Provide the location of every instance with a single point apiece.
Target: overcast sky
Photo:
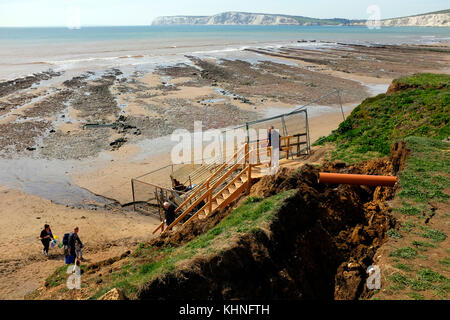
(142, 12)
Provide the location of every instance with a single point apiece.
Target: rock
(31, 148)
(339, 164)
(116, 144)
(113, 294)
(353, 266)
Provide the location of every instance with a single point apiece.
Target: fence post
(308, 141)
(246, 155)
(340, 102)
(288, 144)
(249, 177)
(132, 191)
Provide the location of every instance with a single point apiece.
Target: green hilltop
(418, 105)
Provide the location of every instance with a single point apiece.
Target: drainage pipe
(357, 179)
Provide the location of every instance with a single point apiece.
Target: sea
(24, 51)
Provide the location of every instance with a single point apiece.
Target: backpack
(66, 239)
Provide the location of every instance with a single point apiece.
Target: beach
(73, 137)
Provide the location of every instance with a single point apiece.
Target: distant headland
(431, 19)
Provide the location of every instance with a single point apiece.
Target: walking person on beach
(46, 237)
(75, 245)
(169, 211)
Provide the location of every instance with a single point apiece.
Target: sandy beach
(90, 133)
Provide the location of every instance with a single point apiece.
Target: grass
(421, 109)
(424, 178)
(425, 279)
(411, 210)
(248, 218)
(403, 267)
(432, 234)
(422, 245)
(404, 253)
(445, 262)
(394, 234)
(416, 296)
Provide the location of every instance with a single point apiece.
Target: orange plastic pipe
(358, 179)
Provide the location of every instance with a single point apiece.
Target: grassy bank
(417, 106)
(420, 258)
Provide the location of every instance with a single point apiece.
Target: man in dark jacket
(46, 237)
(74, 244)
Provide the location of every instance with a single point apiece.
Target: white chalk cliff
(433, 19)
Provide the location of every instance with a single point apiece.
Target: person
(46, 237)
(273, 135)
(169, 211)
(75, 245)
(269, 136)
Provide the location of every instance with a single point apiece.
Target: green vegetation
(424, 177)
(445, 262)
(247, 218)
(425, 279)
(410, 210)
(422, 109)
(422, 245)
(416, 296)
(394, 234)
(315, 21)
(405, 253)
(403, 267)
(433, 235)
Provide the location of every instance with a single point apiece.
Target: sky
(28, 13)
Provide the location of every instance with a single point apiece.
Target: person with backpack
(46, 237)
(67, 257)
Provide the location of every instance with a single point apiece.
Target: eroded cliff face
(229, 18)
(428, 20)
(434, 19)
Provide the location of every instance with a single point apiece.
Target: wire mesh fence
(151, 189)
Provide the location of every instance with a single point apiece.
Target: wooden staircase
(228, 182)
(223, 187)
